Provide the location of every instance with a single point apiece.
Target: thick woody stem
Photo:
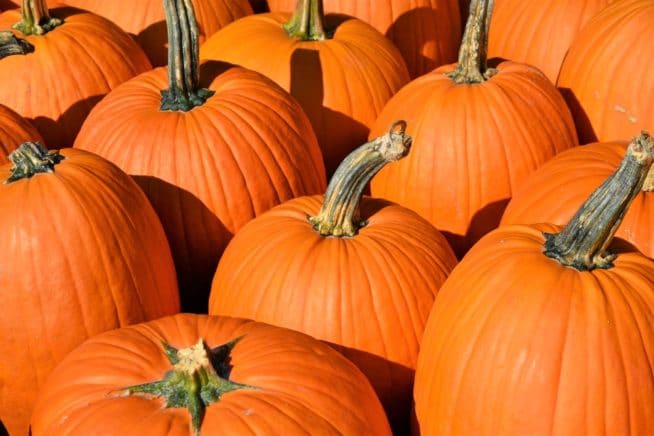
(472, 67)
(583, 243)
(35, 18)
(184, 91)
(32, 158)
(307, 22)
(339, 214)
(10, 45)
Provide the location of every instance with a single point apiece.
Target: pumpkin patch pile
(281, 217)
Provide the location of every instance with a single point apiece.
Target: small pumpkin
(213, 375)
(359, 273)
(542, 330)
(14, 130)
(81, 252)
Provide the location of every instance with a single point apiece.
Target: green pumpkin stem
(199, 378)
(32, 158)
(472, 67)
(184, 91)
(307, 22)
(35, 18)
(10, 45)
(339, 214)
(583, 243)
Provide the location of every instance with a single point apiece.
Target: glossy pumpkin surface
(14, 130)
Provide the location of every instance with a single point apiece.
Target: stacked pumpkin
(201, 187)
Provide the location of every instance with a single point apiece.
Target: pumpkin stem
(35, 18)
(10, 45)
(648, 186)
(582, 244)
(339, 215)
(184, 91)
(199, 378)
(32, 158)
(307, 22)
(472, 67)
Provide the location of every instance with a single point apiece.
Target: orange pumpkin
(257, 379)
(605, 77)
(362, 280)
(14, 130)
(427, 32)
(74, 58)
(210, 159)
(341, 70)
(81, 252)
(478, 131)
(546, 333)
(146, 21)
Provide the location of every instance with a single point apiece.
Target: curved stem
(582, 244)
(339, 215)
(307, 21)
(184, 91)
(10, 45)
(32, 158)
(199, 378)
(35, 18)
(472, 67)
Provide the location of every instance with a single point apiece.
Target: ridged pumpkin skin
(427, 32)
(301, 385)
(369, 294)
(14, 130)
(473, 146)
(71, 68)
(518, 344)
(342, 83)
(145, 19)
(208, 171)
(81, 252)
(607, 86)
(546, 30)
(554, 192)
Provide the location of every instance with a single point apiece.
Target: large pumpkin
(73, 59)
(81, 252)
(546, 333)
(478, 133)
(145, 19)
(227, 376)
(606, 75)
(553, 193)
(14, 130)
(210, 159)
(363, 281)
(340, 69)
(427, 32)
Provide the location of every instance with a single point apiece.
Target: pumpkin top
(307, 21)
(35, 18)
(32, 158)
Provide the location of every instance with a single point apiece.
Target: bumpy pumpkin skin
(607, 86)
(82, 252)
(14, 130)
(362, 294)
(518, 344)
(302, 386)
(210, 170)
(473, 146)
(145, 19)
(72, 67)
(554, 192)
(546, 30)
(427, 32)
(342, 83)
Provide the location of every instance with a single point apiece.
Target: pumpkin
(546, 30)
(544, 330)
(479, 132)
(209, 158)
(81, 252)
(427, 32)
(70, 60)
(360, 273)
(606, 85)
(554, 191)
(254, 379)
(341, 70)
(14, 130)
(145, 19)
